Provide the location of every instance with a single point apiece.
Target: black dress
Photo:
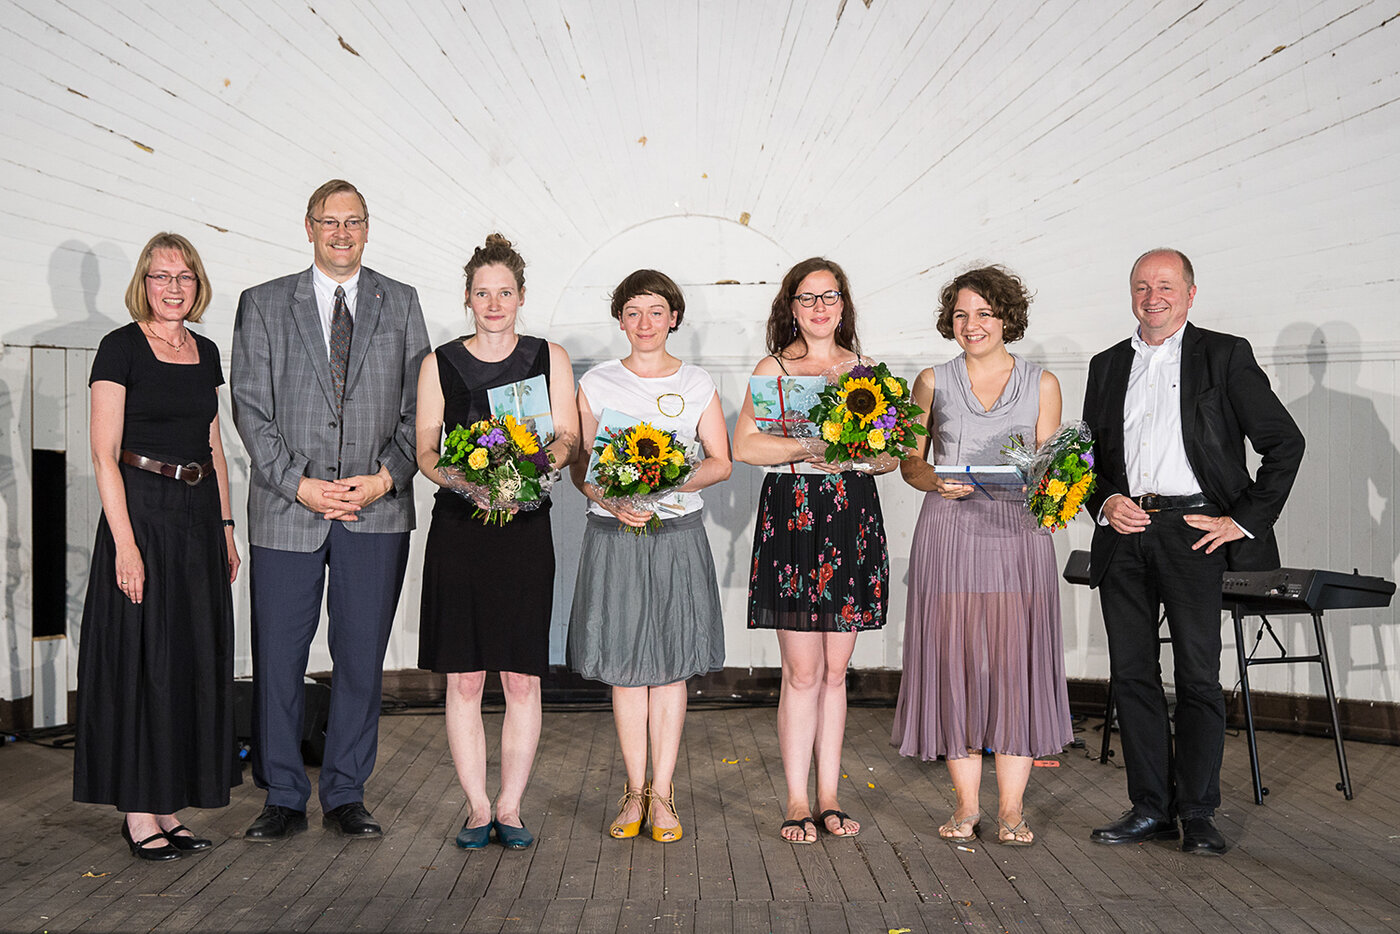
(155, 679)
(487, 590)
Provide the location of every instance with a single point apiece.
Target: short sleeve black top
(169, 406)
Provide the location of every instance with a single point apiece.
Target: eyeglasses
(162, 279)
(329, 224)
(808, 299)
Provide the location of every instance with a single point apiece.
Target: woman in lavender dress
(983, 654)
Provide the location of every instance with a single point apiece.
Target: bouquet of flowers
(639, 466)
(1059, 475)
(864, 413)
(497, 461)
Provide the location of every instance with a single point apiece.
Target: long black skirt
(488, 591)
(155, 679)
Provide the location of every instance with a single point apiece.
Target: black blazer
(1225, 398)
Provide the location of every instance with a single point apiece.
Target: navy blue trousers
(366, 575)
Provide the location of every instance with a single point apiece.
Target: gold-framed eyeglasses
(808, 299)
(331, 224)
(163, 279)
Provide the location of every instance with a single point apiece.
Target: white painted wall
(721, 141)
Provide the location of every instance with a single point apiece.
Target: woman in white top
(820, 571)
(646, 613)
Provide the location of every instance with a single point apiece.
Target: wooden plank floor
(1307, 861)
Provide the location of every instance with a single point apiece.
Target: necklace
(178, 347)
(670, 404)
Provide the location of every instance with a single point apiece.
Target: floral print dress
(819, 558)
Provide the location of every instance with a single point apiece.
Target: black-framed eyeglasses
(331, 224)
(163, 279)
(808, 299)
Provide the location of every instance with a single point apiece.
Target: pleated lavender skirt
(983, 650)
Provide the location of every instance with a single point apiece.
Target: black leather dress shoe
(1133, 827)
(276, 823)
(1199, 835)
(352, 820)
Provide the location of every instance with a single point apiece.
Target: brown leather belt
(1152, 502)
(191, 473)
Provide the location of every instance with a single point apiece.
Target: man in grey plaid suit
(324, 385)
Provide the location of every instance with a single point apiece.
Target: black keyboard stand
(1239, 612)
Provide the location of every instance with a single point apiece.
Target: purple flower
(1088, 458)
(861, 370)
(493, 438)
(540, 459)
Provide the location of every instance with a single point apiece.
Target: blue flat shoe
(474, 838)
(513, 838)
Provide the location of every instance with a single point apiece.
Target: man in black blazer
(1170, 409)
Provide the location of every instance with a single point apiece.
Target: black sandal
(842, 816)
(800, 822)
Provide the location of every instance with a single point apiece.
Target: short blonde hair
(136, 302)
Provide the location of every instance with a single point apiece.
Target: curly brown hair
(782, 326)
(1000, 288)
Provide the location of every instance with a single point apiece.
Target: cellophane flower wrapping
(1059, 474)
(864, 412)
(497, 461)
(640, 467)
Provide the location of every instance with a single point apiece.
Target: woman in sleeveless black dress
(488, 588)
(155, 667)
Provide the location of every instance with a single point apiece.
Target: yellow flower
(1056, 488)
(608, 455)
(1067, 513)
(646, 445)
(1048, 521)
(521, 436)
(831, 431)
(876, 439)
(864, 399)
(893, 388)
(478, 459)
(677, 456)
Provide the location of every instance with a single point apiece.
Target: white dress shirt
(324, 287)
(1153, 445)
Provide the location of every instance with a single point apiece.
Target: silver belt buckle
(190, 473)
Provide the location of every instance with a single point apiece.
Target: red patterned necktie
(341, 328)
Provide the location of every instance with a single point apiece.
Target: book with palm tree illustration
(527, 401)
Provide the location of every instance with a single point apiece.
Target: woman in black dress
(488, 589)
(155, 667)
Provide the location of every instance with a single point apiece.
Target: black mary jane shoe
(156, 854)
(187, 844)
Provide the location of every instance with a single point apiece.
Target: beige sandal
(954, 825)
(1006, 834)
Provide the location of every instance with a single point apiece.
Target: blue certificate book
(527, 402)
(781, 404)
(1002, 482)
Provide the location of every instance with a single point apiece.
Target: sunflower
(520, 436)
(646, 445)
(863, 398)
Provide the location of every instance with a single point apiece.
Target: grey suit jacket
(280, 382)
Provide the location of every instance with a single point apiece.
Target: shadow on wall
(1347, 483)
(75, 284)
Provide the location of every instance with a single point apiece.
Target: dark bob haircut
(1000, 288)
(782, 326)
(649, 282)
